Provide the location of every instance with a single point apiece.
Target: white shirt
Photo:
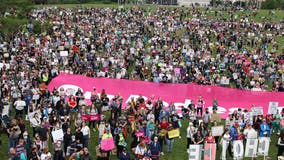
(20, 105)
(43, 156)
(85, 130)
(250, 133)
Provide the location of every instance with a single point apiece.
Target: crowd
(163, 45)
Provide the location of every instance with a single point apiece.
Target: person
(86, 134)
(226, 139)
(190, 131)
(249, 132)
(234, 132)
(155, 149)
(198, 138)
(264, 129)
(280, 144)
(45, 155)
(58, 151)
(140, 151)
(200, 105)
(169, 141)
(77, 155)
(124, 155)
(206, 117)
(210, 138)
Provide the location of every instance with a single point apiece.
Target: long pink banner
(228, 99)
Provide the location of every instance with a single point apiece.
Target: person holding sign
(210, 138)
(170, 141)
(264, 129)
(198, 138)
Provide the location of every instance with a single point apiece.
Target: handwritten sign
(63, 53)
(173, 133)
(257, 111)
(107, 144)
(57, 135)
(272, 109)
(195, 152)
(217, 131)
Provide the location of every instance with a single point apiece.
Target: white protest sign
(251, 148)
(63, 53)
(238, 149)
(195, 152)
(263, 146)
(273, 106)
(35, 96)
(257, 111)
(57, 135)
(217, 131)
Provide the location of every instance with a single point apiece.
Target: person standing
(200, 105)
(190, 131)
(86, 134)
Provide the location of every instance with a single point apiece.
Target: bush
(272, 4)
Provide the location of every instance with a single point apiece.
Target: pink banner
(94, 117)
(210, 151)
(107, 144)
(228, 99)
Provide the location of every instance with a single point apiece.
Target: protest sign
(57, 135)
(272, 108)
(238, 149)
(251, 148)
(210, 151)
(85, 117)
(173, 133)
(195, 152)
(263, 146)
(257, 111)
(60, 48)
(139, 133)
(94, 117)
(63, 53)
(217, 131)
(107, 144)
(177, 70)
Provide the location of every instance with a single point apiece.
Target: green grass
(179, 149)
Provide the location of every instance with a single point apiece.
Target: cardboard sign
(63, 53)
(217, 131)
(257, 111)
(57, 135)
(272, 108)
(173, 133)
(251, 148)
(60, 48)
(238, 149)
(107, 144)
(263, 146)
(195, 152)
(210, 151)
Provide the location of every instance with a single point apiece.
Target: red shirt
(210, 139)
(164, 125)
